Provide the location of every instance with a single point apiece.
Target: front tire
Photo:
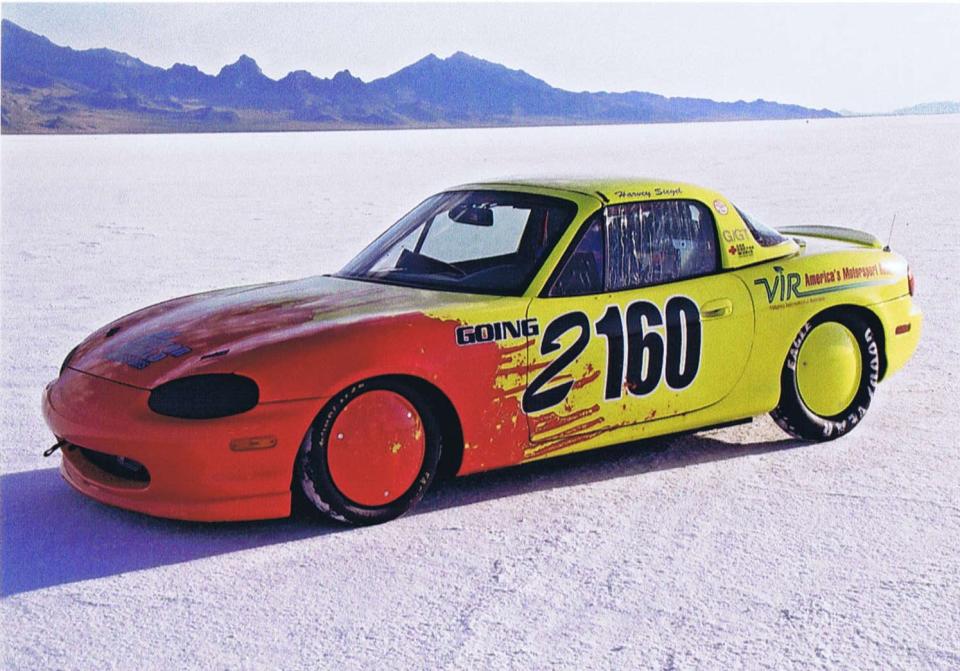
(829, 377)
(370, 454)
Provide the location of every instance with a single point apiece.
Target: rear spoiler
(834, 233)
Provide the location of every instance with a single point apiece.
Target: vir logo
(784, 286)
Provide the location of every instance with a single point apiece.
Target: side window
(582, 274)
(764, 235)
(658, 241)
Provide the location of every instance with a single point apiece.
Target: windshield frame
(421, 217)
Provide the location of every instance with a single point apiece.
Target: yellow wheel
(829, 368)
(829, 377)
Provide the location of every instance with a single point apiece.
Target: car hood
(204, 332)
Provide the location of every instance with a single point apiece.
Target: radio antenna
(890, 234)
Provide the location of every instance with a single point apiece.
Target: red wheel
(377, 448)
(370, 454)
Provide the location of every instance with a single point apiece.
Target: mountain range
(47, 88)
(939, 107)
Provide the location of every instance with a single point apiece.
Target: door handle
(717, 309)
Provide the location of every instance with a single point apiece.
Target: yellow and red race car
(494, 324)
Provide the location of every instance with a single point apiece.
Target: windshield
(490, 242)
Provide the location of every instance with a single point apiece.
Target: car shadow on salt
(50, 535)
(624, 460)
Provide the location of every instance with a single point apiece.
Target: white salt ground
(732, 548)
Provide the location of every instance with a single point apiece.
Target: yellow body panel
(750, 310)
(724, 350)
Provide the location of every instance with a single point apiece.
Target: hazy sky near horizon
(857, 57)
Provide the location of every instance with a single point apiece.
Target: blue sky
(860, 57)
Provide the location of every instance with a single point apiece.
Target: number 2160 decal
(650, 355)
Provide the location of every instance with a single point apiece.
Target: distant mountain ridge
(940, 107)
(54, 89)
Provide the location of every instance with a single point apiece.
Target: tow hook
(50, 450)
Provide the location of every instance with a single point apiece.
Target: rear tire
(396, 454)
(829, 377)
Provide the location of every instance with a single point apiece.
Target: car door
(638, 323)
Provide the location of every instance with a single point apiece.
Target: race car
(494, 324)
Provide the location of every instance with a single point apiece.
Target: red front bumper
(194, 473)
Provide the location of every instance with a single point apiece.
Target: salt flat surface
(733, 548)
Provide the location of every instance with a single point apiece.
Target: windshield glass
(490, 242)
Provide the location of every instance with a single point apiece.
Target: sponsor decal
(740, 249)
(823, 277)
(735, 235)
(785, 286)
(720, 206)
(475, 334)
(149, 349)
(859, 272)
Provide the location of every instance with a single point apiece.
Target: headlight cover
(66, 360)
(205, 396)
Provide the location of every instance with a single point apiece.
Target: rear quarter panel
(788, 292)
